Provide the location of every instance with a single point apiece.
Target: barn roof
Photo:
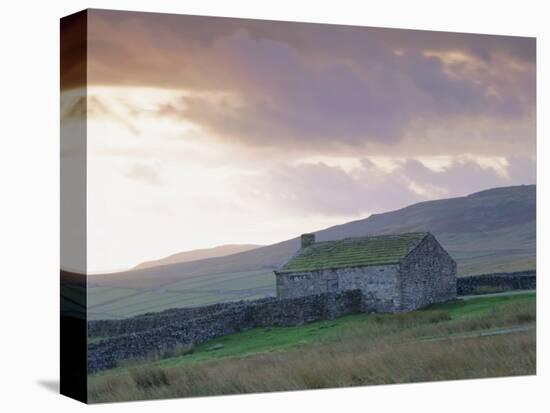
(354, 252)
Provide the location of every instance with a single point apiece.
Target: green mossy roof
(354, 252)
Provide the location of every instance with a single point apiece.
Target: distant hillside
(489, 231)
(200, 254)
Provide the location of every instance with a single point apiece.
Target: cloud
(459, 178)
(522, 169)
(286, 99)
(87, 106)
(125, 47)
(317, 87)
(142, 172)
(319, 189)
(464, 176)
(289, 126)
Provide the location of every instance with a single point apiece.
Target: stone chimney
(307, 240)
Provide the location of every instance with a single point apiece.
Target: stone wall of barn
(379, 284)
(427, 276)
(300, 284)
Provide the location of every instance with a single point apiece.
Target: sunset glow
(206, 131)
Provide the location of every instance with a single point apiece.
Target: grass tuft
(438, 343)
(149, 377)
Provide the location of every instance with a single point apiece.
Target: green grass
(441, 342)
(264, 340)
(95, 339)
(497, 249)
(227, 281)
(101, 295)
(110, 302)
(274, 339)
(476, 307)
(491, 231)
(280, 338)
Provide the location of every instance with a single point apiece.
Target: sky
(204, 131)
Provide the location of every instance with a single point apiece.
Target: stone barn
(394, 272)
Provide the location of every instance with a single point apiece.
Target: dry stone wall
(142, 336)
(481, 284)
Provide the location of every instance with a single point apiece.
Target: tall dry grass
(353, 361)
(177, 351)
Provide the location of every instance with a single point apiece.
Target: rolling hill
(200, 254)
(488, 231)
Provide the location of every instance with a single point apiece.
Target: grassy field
(479, 337)
(490, 231)
(111, 303)
(108, 302)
